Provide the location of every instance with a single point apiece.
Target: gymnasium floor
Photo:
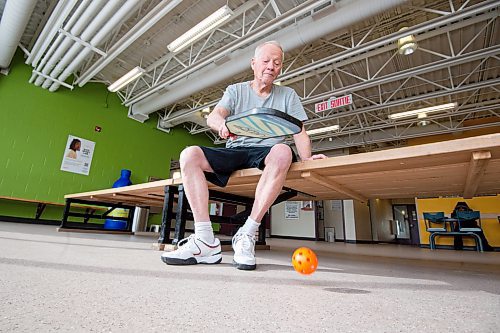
(51, 281)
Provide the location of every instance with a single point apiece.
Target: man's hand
(224, 132)
(217, 122)
(315, 157)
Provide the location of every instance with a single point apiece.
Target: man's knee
(190, 155)
(193, 158)
(280, 156)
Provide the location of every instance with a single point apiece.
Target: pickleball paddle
(263, 123)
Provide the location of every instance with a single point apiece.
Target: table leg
(167, 215)
(180, 218)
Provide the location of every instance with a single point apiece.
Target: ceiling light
(322, 130)
(205, 112)
(205, 26)
(407, 45)
(126, 79)
(423, 121)
(423, 111)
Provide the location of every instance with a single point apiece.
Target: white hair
(271, 42)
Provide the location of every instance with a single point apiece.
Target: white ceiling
(333, 48)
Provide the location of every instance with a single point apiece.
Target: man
(273, 156)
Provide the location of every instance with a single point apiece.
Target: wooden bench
(463, 167)
(40, 207)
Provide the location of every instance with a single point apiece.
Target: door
(406, 223)
(413, 223)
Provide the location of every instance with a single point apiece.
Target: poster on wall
(292, 209)
(78, 155)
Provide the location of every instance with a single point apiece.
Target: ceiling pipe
(54, 46)
(105, 32)
(76, 47)
(14, 20)
(306, 31)
(130, 37)
(82, 21)
(56, 20)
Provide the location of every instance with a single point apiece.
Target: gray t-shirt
(240, 97)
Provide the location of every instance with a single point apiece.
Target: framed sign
(77, 156)
(292, 210)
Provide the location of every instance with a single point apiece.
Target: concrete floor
(58, 281)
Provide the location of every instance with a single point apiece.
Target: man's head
(267, 62)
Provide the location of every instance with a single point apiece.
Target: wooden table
(464, 167)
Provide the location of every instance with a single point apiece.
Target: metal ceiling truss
(378, 92)
(233, 35)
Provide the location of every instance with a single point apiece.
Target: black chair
(435, 224)
(468, 216)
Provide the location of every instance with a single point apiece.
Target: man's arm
(303, 144)
(217, 121)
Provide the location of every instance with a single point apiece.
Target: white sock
(204, 231)
(250, 227)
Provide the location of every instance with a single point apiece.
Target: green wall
(34, 129)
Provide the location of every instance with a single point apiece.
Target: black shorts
(224, 161)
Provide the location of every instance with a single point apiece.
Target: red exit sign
(333, 103)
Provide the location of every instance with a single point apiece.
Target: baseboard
(95, 231)
(293, 237)
(26, 220)
(361, 242)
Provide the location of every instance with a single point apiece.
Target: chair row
(464, 223)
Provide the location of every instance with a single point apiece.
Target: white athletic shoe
(244, 251)
(192, 251)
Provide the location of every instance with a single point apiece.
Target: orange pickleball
(304, 260)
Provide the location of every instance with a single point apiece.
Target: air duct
(14, 20)
(105, 32)
(76, 48)
(85, 12)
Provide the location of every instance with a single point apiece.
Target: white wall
(302, 227)
(357, 221)
(334, 217)
(381, 215)
(363, 222)
(349, 220)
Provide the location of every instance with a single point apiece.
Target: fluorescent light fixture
(407, 45)
(436, 108)
(205, 26)
(422, 117)
(205, 112)
(126, 79)
(322, 130)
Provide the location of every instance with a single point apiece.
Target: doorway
(406, 224)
